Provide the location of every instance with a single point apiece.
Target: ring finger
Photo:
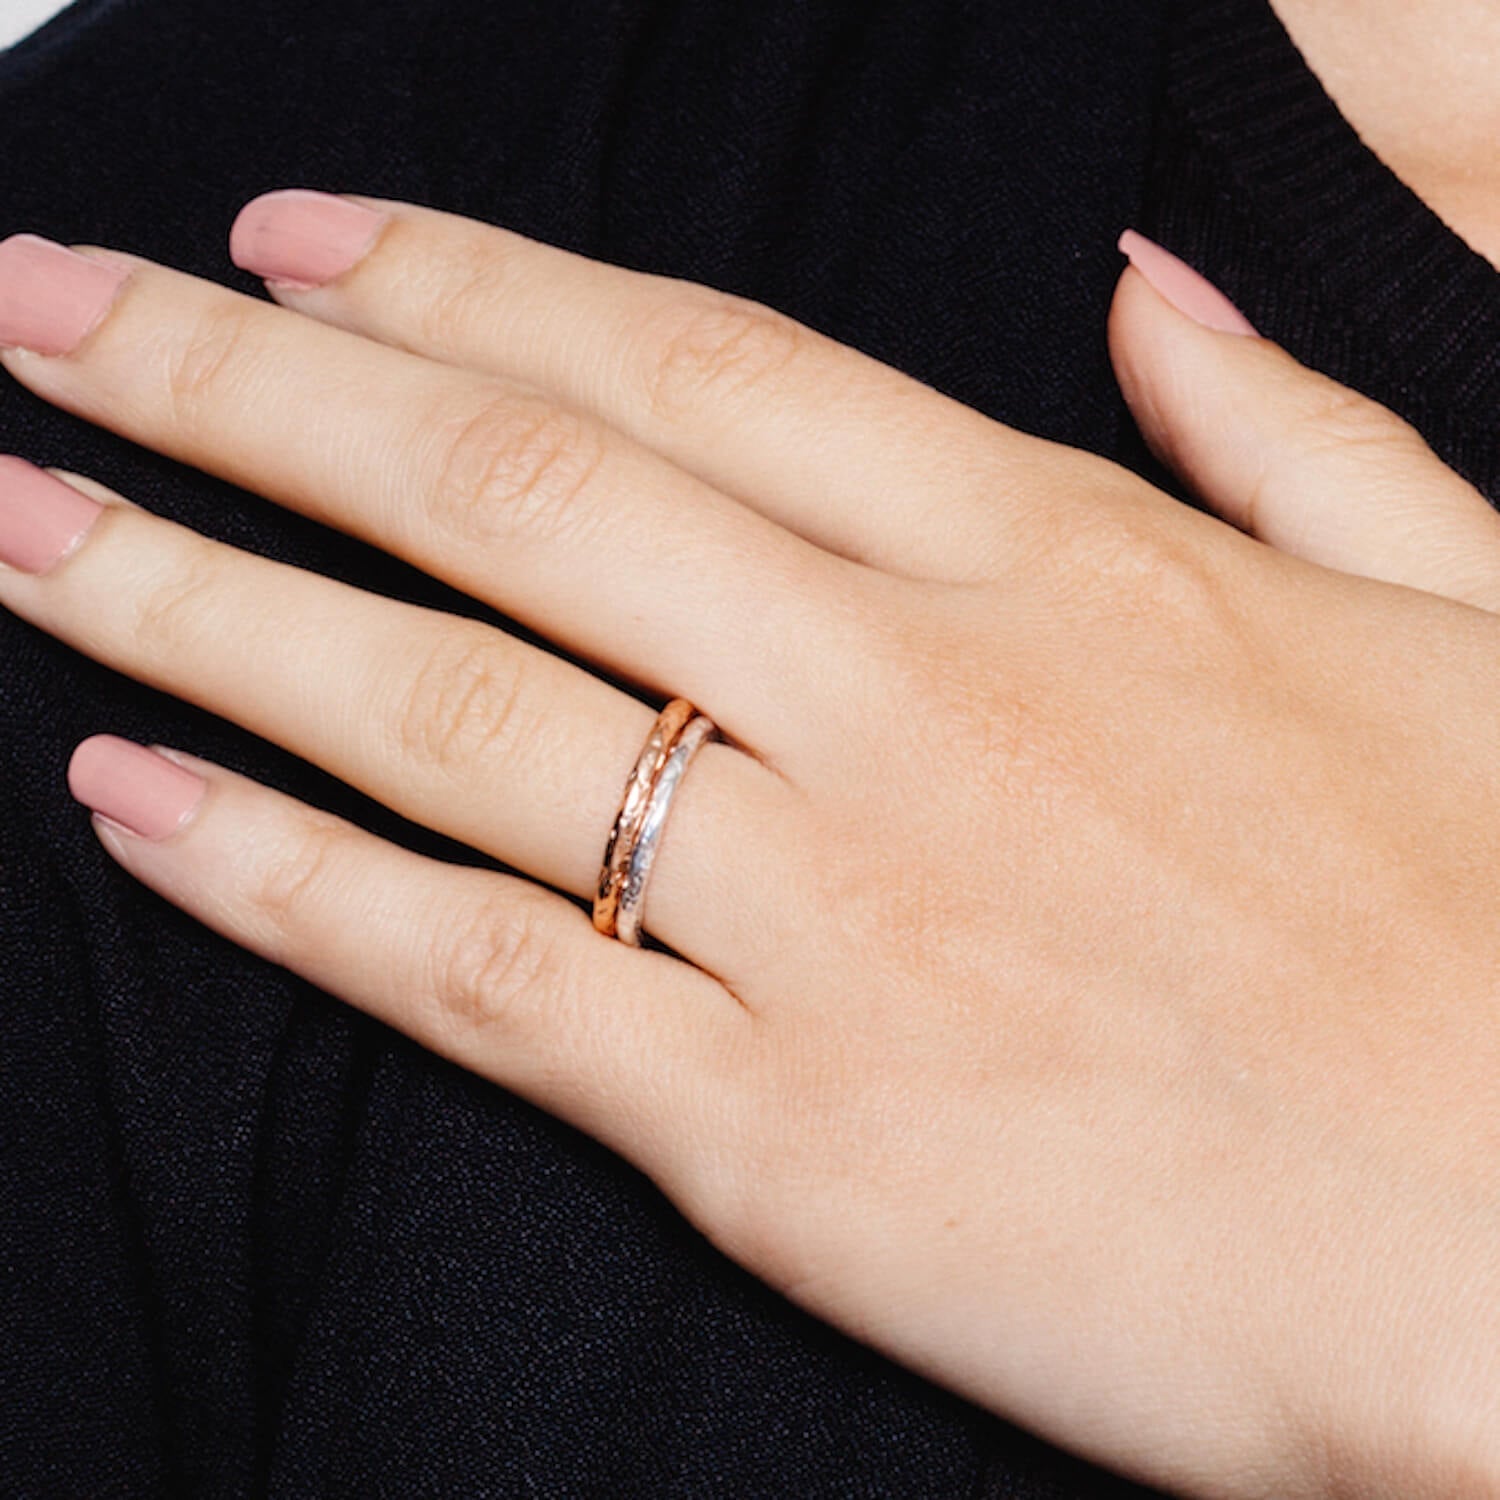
(448, 721)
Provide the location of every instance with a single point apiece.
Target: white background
(18, 17)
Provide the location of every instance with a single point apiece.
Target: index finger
(850, 453)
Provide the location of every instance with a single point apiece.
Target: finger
(457, 726)
(585, 536)
(508, 980)
(848, 452)
(1289, 455)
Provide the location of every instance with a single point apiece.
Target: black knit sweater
(256, 1244)
(1261, 183)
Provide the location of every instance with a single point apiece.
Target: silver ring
(648, 838)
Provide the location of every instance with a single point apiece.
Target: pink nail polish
(302, 239)
(50, 296)
(1182, 286)
(144, 792)
(41, 518)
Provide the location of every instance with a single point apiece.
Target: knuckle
(465, 704)
(516, 464)
(717, 347)
(289, 890)
(206, 359)
(1139, 564)
(495, 964)
(173, 611)
(452, 297)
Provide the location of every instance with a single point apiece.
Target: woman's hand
(1086, 989)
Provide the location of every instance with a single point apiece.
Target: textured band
(648, 837)
(670, 723)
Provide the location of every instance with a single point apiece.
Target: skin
(1417, 81)
(1078, 985)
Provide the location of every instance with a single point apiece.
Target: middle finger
(550, 516)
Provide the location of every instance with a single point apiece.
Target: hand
(1081, 986)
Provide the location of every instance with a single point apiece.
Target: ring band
(670, 723)
(674, 738)
(647, 840)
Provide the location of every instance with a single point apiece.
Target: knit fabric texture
(258, 1245)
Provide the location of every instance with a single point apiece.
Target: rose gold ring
(635, 804)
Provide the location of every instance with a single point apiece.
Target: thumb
(1283, 452)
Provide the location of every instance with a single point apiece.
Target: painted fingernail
(41, 518)
(144, 792)
(301, 239)
(1182, 286)
(50, 296)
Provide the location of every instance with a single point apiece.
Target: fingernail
(1182, 286)
(41, 518)
(301, 239)
(50, 296)
(144, 792)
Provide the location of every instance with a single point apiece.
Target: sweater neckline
(1380, 259)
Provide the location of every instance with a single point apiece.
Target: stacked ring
(676, 736)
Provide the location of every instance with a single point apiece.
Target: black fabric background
(255, 1244)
